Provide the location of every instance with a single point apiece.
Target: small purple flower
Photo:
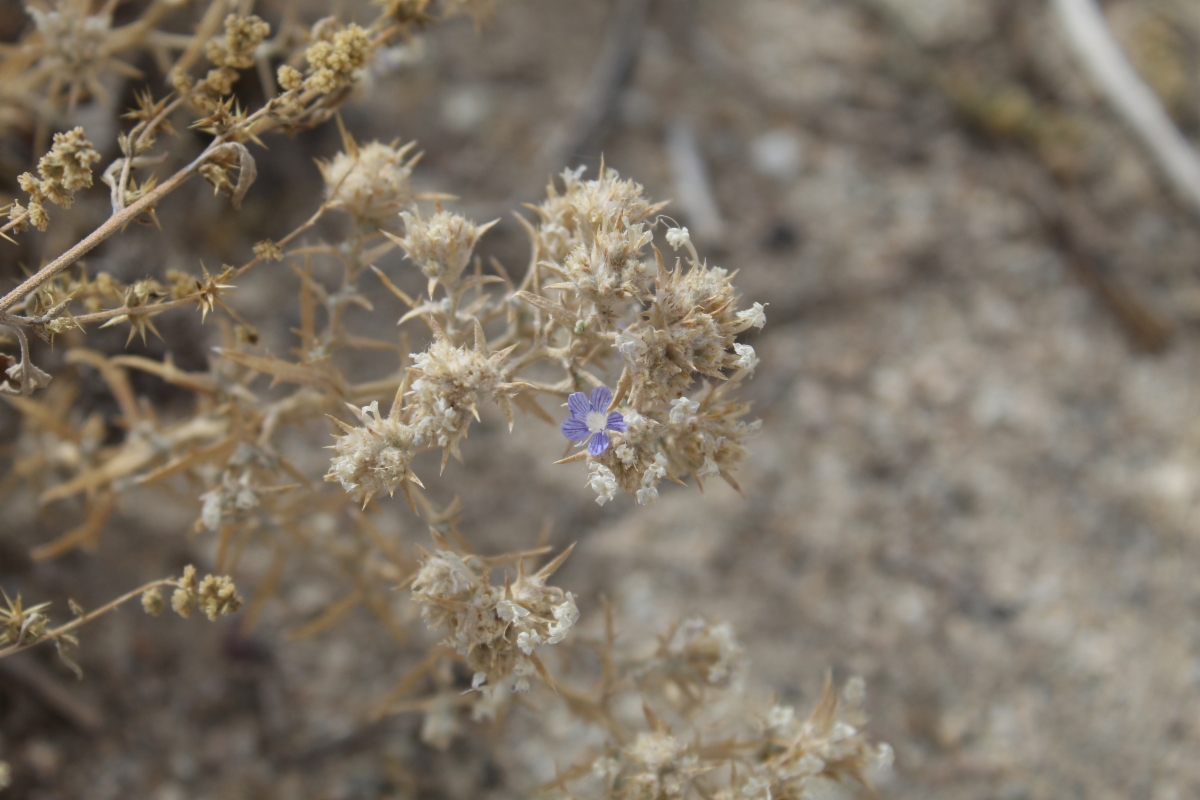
(590, 419)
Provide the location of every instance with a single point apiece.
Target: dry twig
(1136, 103)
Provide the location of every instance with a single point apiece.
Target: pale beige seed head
(374, 458)
(370, 182)
(441, 245)
(73, 39)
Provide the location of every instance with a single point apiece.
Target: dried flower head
(231, 499)
(698, 653)
(268, 250)
(73, 46)
(440, 245)
(609, 271)
(574, 217)
(656, 765)
(374, 458)
(497, 629)
(370, 182)
(451, 382)
(634, 462)
(829, 745)
(707, 437)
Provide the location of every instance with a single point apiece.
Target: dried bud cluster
(370, 182)
(152, 601)
(215, 595)
(66, 169)
(497, 629)
(243, 35)
(267, 250)
(233, 50)
(336, 57)
(183, 600)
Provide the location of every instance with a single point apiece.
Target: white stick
(692, 186)
(1133, 99)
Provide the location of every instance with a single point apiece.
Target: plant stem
(79, 622)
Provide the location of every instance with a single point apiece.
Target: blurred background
(977, 481)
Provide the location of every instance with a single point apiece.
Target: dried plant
(599, 305)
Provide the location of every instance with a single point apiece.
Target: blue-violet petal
(578, 404)
(600, 399)
(575, 429)
(598, 444)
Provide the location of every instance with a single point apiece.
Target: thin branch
(79, 622)
(101, 316)
(111, 226)
(1131, 97)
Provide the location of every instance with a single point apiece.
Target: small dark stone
(781, 238)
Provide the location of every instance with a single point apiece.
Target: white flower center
(597, 421)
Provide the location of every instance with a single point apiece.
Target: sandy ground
(974, 487)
